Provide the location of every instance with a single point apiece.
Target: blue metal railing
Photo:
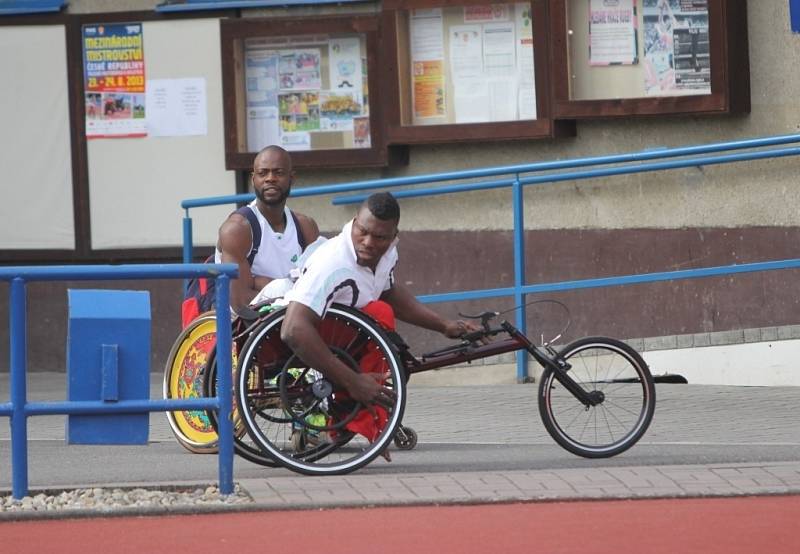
(19, 409)
(619, 164)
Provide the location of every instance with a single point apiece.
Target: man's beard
(277, 202)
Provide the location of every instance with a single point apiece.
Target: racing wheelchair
(596, 396)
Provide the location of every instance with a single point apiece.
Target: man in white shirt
(284, 234)
(355, 268)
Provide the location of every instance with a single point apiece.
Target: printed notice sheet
(176, 107)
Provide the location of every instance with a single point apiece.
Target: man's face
(371, 237)
(272, 177)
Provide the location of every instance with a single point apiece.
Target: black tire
(242, 444)
(274, 426)
(405, 438)
(600, 365)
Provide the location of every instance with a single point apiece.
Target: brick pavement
(514, 486)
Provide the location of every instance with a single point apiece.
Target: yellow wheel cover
(186, 381)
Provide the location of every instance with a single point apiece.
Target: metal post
(187, 244)
(519, 274)
(19, 423)
(224, 393)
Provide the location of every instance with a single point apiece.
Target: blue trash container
(108, 359)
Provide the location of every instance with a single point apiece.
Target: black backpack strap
(301, 239)
(255, 227)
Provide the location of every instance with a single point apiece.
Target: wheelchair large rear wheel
(242, 444)
(305, 422)
(183, 378)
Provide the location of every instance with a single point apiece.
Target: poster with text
(300, 69)
(486, 13)
(361, 135)
(428, 89)
(261, 77)
(677, 57)
(114, 80)
(612, 32)
(299, 111)
(345, 63)
(337, 110)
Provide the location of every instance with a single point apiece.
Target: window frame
(730, 71)
(232, 35)
(544, 127)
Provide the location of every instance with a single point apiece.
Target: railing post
(224, 394)
(18, 344)
(519, 274)
(187, 243)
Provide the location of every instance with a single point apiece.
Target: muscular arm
(407, 308)
(299, 332)
(308, 228)
(235, 241)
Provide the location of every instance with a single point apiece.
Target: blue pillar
(19, 423)
(519, 274)
(187, 244)
(224, 392)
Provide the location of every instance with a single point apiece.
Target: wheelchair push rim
(271, 425)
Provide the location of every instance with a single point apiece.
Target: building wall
(658, 221)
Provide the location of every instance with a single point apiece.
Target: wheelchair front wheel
(619, 378)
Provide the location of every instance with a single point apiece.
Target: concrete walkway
(759, 424)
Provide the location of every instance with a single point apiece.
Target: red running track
(703, 525)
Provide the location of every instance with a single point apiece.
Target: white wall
(136, 184)
(36, 211)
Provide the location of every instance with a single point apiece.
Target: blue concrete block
(108, 359)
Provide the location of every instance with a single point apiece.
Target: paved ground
(758, 423)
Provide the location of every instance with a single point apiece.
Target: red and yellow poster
(429, 89)
(114, 85)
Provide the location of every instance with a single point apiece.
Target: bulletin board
(136, 185)
(466, 64)
(37, 207)
(671, 54)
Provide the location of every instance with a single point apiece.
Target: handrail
(19, 409)
(590, 174)
(635, 162)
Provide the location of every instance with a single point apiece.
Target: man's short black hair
(384, 206)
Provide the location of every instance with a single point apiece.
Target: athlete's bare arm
(235, 241)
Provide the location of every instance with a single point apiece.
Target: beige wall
(735, 195)
(740, 194)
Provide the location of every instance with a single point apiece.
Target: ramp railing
(516, 178)
(19, 409)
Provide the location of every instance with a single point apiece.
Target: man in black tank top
(272, 180)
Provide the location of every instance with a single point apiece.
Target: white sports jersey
(332, 274)
(278, 252)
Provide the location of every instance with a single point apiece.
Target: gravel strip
(109, 500)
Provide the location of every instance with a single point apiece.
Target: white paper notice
(465, 51)
(427, 35)
(262, 128)
(612, 32)
(176, 107)
(499, 52)
(503, 99)
(525, 65)
(471, 100)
